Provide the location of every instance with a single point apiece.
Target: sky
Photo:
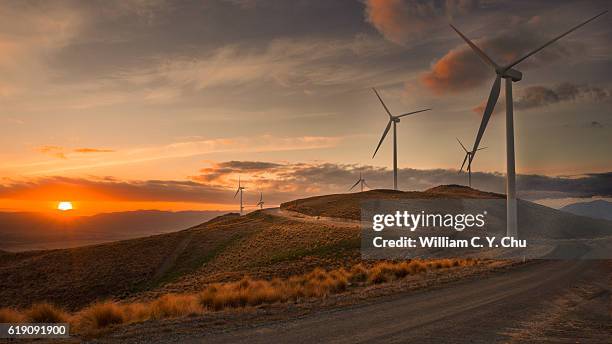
(134, 104)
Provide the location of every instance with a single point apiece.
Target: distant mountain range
(598, 209)
(21, 231)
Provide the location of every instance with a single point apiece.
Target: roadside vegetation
(214, 297)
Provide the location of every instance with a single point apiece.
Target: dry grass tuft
(174, 305)
(101, 315)
(45, 313)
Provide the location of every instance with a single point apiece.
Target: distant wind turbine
(359, 181)
(239, 191)
(394, 120)
(511, 75)
(469, 167)
(260, 204)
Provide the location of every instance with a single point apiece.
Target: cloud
(400, 21)
(54, 151)
(29, 34)
(284, 62)
(281, 182)
(110, 189)
(92, 150)
(461, 69)
(183, 149)
(284, 181)
(539, 96)
(60, 152)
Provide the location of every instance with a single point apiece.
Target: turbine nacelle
(511, 73)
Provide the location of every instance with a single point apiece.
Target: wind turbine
(394, 120)
(469, 167)
(239, 191)
(359, 181)
(261, 202)
(511, 75)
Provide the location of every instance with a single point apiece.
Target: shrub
(358, 273)
(174, 305)
(101, 315)
(45, 313)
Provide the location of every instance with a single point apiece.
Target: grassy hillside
(224, 248)
(348, 205)
(537, 221)
(77, 276)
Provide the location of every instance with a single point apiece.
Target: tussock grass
(101, 315)
(246, 292)
(45, 313)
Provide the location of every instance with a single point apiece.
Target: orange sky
(158, 105)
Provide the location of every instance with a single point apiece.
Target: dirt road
(295, 216)
(504, 308)
(545, 301)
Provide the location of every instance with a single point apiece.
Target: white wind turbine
(239, 191)
(394, 120)
(260, 204)
(359, 181)
(469, 167)
(511, 75)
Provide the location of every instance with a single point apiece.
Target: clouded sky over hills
(152, 93)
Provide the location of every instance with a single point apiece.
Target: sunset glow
(64, 206)
(170, 124)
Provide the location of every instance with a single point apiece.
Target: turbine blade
(352, 187)
(482, 148)
(493, 96)
(463, 164)
(554, 40)
(462, 146)
(412, 113)
(237, 191)
(383, 103)
(477, 50)
(366, 184)
(382, 138)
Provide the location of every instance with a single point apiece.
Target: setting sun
(63, 206)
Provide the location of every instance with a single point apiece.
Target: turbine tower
(239, 191)
(359, 181)
(511, 75)
(469, 167)
(394, 120)
(261, 202)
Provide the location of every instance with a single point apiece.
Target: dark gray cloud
(284, 181)
(537, 96)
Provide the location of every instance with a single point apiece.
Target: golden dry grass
(247, 292)
(45, 313)
(10, 315)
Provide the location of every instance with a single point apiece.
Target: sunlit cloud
(461, 69)
(76, 160)
(408, 20)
